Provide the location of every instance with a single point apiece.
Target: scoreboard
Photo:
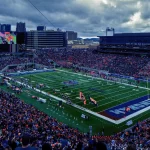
(12, 42)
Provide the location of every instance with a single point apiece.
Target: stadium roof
(130, 34)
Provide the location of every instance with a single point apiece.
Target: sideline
(87, 110)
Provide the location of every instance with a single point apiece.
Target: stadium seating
(19, 119)
(136, 66)
(114, 63)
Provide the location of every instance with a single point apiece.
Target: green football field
(106, 93)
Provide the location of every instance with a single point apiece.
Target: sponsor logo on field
(133, 107)
(119, 111)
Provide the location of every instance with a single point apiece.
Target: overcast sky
(88, 17)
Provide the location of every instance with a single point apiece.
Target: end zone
(119, 113)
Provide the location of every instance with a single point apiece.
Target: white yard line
(103, 79)
(87, 90)
(118, 100)
(111, 93)
(87, 110)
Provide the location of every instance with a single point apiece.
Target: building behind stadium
(45, 39)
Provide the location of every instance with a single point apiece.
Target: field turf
(106, 93)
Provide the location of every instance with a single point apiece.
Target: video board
(7, 38)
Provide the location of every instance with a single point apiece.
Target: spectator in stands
(17, 118)
(131, 146)
(82, 60)
(26, 144)
(46, 146)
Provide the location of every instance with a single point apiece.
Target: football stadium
(60, 96)
(90, 100)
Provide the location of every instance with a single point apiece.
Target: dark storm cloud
(87, 17)
(145, 9)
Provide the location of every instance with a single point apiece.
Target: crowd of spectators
(23, 125)
(145, 71)
(20, 121)
(129, 65)
(10, 60)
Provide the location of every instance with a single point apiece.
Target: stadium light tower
(110, 30)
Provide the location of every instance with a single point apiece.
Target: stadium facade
(126, 39)
(125, 43)
(45, 39)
